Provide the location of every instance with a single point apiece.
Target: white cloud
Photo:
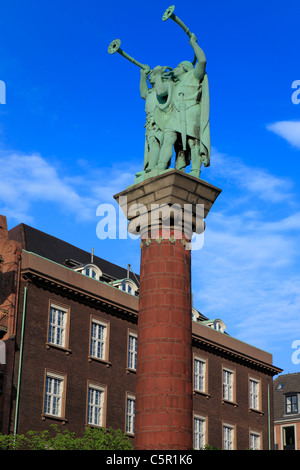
(288, 130)
(27, 180)
(254, 181)
(247, 272)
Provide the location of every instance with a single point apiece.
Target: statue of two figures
(177, 116)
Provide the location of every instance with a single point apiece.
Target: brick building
(287, 411)
(68, 320)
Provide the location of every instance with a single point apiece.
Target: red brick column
(163, 417)
(164, 411)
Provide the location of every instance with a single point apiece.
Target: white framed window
(132, 350)
(90, 270)
(96, 400)
(228, 437)
(254, 394)
(199, 374)
(98, 343)
(255, 440)
(130, 414)
(199, 432)
(54, 393)
(57, 331)
(228, 377)
(126, 285)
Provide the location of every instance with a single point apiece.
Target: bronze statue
(177, 111)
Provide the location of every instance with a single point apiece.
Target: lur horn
(115, 47)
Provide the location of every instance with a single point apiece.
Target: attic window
(195, 315)
(126, 285)
(291, 404)
(90, 270)
(217, 325)
(280, 386)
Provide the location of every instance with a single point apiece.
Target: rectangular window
(291, 404)
(130, 414)
(254, 441)
(199, 433)
(254, 394)
(54, 390)
(98, 340)
(227, 385)
(199, 374)
(95, 413)
(228, 437)
(57, 325)
(132, 351)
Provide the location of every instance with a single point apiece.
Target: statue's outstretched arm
(199, 69)
(143, 83)
(160, 86)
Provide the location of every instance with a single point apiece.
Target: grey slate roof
(59, 251)
(283, 385)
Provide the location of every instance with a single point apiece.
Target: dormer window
(195, 315)
(216, 324)
(126, 285)
(90, 270)
(291, 403)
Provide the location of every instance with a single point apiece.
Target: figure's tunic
(194, 96)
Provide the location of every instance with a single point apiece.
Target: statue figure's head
(182, 69)
(165, 72)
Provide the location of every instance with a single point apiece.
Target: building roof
(61, 252)
(283, 385)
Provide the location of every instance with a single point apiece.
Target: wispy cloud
(254, 181)
(27, 180)
(247, 272)
(288, 130)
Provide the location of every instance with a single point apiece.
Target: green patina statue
(177, 111)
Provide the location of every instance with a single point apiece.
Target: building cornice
(77, 286)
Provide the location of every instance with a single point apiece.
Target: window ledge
(103, 361)
(57, 418)
(198, 392)
(229, 402)
(128, 370)
(61, 348)
(253, 410)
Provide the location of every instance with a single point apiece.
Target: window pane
(227, 385)
(199, 433)
(227, 438)
(132, 352)
(254, 394)
(95, 406)
(199, 375)
(53, 396)
(98, 340)
(254, 441)
(130, 415)
(57, 326)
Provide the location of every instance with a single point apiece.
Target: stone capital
(173, 200)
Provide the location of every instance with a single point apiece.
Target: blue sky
(72, 136)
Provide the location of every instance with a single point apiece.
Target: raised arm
(143, 82)
(199, 69)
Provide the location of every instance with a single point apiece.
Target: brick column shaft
(163, 418)
(164, 400)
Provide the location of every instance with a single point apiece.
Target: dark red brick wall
(75, 364)
(217, 411)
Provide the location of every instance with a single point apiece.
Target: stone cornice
(77, 286)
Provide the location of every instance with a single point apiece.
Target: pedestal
(156, 208)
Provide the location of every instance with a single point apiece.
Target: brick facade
(46, 280)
